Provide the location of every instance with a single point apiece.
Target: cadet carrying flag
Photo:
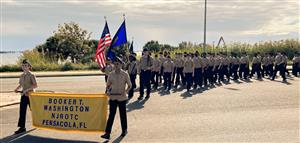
(131, 48)
(119, 39)
(104, 42)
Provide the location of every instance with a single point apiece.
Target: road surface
(255, 111)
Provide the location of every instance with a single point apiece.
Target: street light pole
(204, 43)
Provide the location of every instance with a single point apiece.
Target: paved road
(256, 111)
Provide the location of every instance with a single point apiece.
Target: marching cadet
(244, 64)
(235, 65)
(230, 68)
(279, 66)
(162, 60)
(270, 66)
(156, 71)
(216, 69)
(264, 65)
(198, 76)
(296, 64)
(255, 66)
(168, 71)
(285, 64)
(259, 62)
(188, 71)
(132, 71)
(116, 84)
(179, 62)
(28, 83)
(205, 65)
(144, 69)
(210, 68)
(225, 64)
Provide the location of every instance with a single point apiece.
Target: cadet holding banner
(116, 83)
(28, 83)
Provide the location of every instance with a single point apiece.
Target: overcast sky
(25, 24)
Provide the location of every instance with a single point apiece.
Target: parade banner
(69, 112)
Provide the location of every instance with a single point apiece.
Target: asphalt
(244, 111)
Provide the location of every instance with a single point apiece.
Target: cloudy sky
(27, 23)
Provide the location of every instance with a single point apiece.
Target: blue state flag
(119, 39)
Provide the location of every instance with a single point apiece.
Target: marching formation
(195, 70)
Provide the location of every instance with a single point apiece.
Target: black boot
(20, 130)
(106, 136)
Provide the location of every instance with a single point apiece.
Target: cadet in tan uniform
(279, 66)
(162, 58)
(211, 63)
(168, 71)
(198, 76)
(235, 66)
(144, 69)
(255, 66)
(244, 66)
(205, 65)
(28, 83)
(188, 71)
(156, 67)
(264, 63)
(217, 67)
(179, 62)
(225, 67)
(296, 65)
(270, 66)
(132, 71)
(116, 90)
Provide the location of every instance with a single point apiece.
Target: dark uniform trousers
(161, 74)
(296, 69)
(281, 70)
(210, 75)
(113, 104)
(173, 75)
(215, 74)
(235, 68)
(256, 69)
(131, 91)
(23, 108)
(167, 80)
(179, 75)
(145, 76)
(243, 71)
(225, 72)
(198, 77)
(270, 69)
(264, 71)
(155, 77)
(188, 78)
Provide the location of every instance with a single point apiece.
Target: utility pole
(204, 43)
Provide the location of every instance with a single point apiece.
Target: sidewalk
(53, 73)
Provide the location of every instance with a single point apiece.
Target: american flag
(104, 42)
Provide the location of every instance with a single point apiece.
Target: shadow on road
(25, 138)
(136, 105)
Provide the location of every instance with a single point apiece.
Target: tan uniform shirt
(179, 62)
(188, 66)
(168, 66)
(132, 68)
(197, 62)
(255, 60)
(204, 62)
(117, 82)
(27, 80)
(156, 65)
(278, 60)
(145, 63)
(235, 61)
(211, 61)
(225, 61)
(264, 61)
(244, 60)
